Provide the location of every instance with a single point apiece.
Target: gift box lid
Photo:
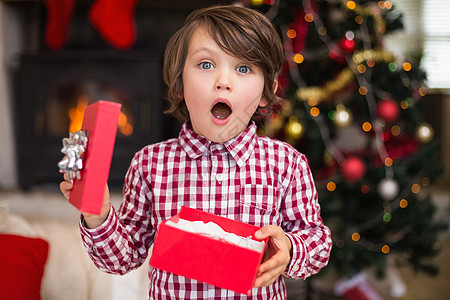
(204, 258)
(100, 122)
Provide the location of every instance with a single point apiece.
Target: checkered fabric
(251, 179)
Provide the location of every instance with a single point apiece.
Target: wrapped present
(89, 154)
(358, 287)
(224, 261)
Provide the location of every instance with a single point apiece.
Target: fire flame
(76, 117)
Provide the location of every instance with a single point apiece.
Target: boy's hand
(276, 257)
(92, 220)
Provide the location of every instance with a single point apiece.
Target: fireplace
(53, 91)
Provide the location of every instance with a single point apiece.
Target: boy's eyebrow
(203, 49)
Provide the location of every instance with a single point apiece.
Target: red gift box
(100, 121)
(357, 288)
(206, 259)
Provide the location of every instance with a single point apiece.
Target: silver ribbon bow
(73, 147)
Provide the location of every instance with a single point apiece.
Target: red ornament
(353, 169)
(388, 110)
(114, 20)
(348, 45)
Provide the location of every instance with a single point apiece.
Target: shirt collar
(239, 147)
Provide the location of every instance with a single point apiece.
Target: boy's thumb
(259, 235)
(262, 233)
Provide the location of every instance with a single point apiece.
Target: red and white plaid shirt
(251, 179)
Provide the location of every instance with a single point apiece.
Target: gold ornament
(257, 2)
(294, 129)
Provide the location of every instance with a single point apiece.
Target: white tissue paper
(213, 230)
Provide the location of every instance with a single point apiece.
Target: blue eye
(206, 65)
(243, 69)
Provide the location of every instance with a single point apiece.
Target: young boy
(220, 67)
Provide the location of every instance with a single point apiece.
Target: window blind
(427, 28)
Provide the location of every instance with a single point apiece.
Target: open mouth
(221, 110)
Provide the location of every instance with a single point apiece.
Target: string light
(407, 66)
(309, 17)
(365, 189)
(291, 33)
(331, 186)
(404, 104)
(406, 82)
(322, 30)
(294, 128)
(425, 181)
(366, 126)
(385, 249)
(361, 68)
(350, 35)
(332, 115)
(388, 162)
(393, 66)
(388, 4)
(387, 217)
(314, 111)
(342, 117)
(359, 20)
(313, 101)
(396, 130)
(351, 4)
(332, 54)
(403, 203)
(422, 91)
(425, 132)
(363, 90)
(298, 58)
(415, 188)
(356, 237)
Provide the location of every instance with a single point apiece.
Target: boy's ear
(275, 86)
(263, 101)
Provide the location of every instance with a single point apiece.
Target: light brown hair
(241, 32)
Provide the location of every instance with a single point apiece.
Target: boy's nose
(223, 81)
(223, 86)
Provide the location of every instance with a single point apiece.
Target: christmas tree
(356, 112)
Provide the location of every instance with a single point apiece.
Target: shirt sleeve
(121, 243)
(310, 238)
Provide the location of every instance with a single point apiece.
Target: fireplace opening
(65, 108)
(53, 92)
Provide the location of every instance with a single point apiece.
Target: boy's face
(221, 91)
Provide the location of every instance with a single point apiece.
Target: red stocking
(114, 20)
(59, 14)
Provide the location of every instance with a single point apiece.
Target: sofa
(43, 256)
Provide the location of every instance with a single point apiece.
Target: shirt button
(295, 268)
(219, 177)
